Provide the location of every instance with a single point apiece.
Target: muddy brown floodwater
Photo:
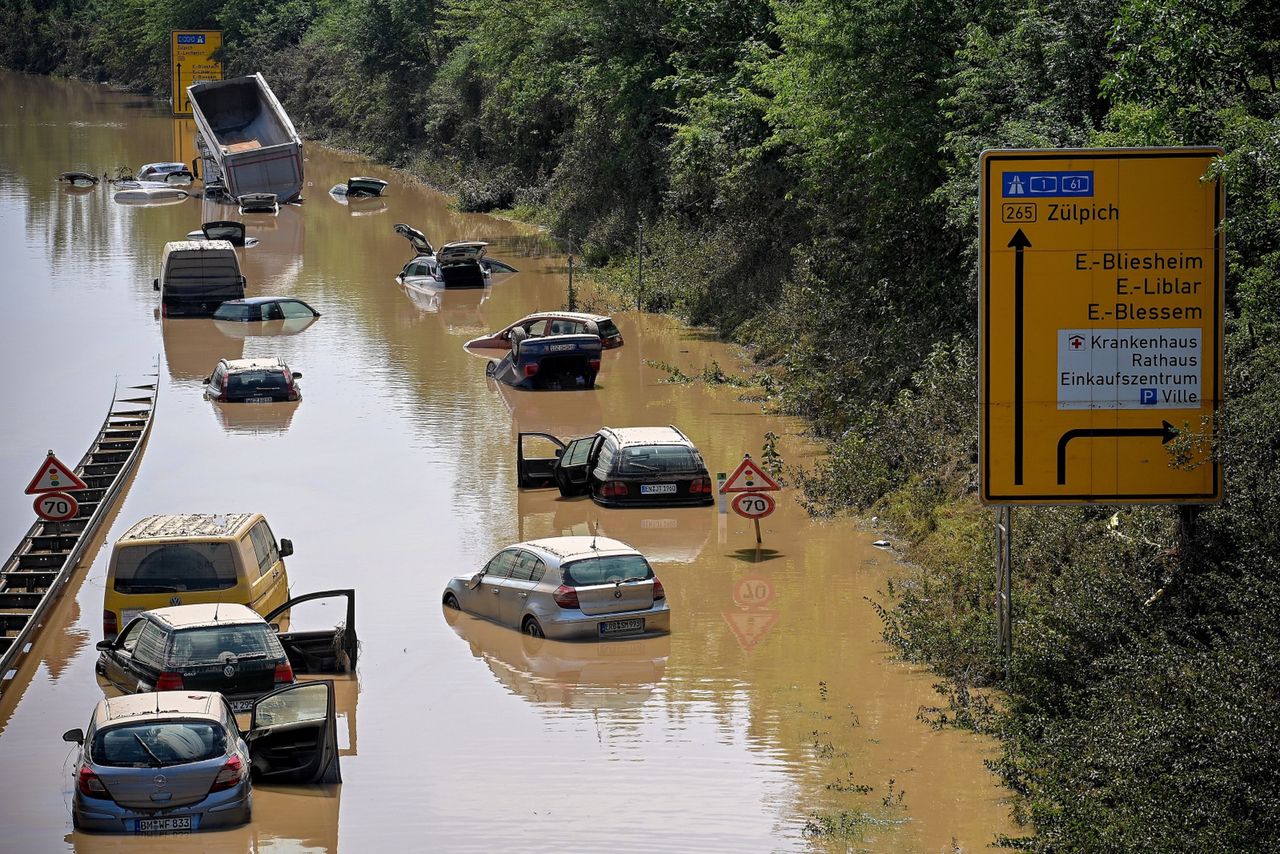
(772, 701)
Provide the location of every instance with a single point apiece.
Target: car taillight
(658, 592)
(226, 380)
(595, 364)
(566, 597)
(613, 488)
(110, 627)
(230, 775)
(530, 370)
(169, 681)
(164, 309)
(284, 674)
(90, 786)
(701, 486)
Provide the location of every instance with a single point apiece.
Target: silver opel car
(566, 588)
(177, 761)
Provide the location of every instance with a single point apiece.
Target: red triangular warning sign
(749, 477)
(53, 476)
(750, 627)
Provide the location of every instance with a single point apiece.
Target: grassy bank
(805, 174)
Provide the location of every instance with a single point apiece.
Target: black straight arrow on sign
(1166, 432)
(1018, 243)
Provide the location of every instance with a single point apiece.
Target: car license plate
(622, 627)
(163, 825)
(257, 400)
(657, 488)
(242, 705)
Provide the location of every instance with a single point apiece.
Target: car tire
(451, 601)
(532, 628)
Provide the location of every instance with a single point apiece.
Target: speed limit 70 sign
(754, 505)
(56, 506)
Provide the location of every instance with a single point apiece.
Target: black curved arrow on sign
(1166, 433)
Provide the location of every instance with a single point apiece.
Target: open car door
(326, 650)
(536, 472)
(575, 465)
(293, 735)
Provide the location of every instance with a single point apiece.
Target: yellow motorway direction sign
(191, 55)
(1101, 303)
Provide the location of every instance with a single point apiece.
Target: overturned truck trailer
(246, 142)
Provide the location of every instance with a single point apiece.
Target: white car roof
(564, 315)
(627, 436)
(158, 706)
(187, 525)
(574, 548)
(250, 364)
(206, 614)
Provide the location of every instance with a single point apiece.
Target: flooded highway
(771, 711)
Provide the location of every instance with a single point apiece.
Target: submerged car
(224, 229)
(358, 188)
(166, 173)
(558, 362)
(552, 323)
(252, 381)
(566, 588)
(461, 264)
(259, 203)
(224, 647)
(264, 308)
(80, 180)
(177, 761)
(620, 467)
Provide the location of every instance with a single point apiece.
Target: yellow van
(191, 559)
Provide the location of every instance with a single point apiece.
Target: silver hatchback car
(566, 588)
(177, 761)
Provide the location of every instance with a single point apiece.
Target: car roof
(258, 300)
(163, 164)
(252, 364)
(173, 525)
(566, 315)
(572, 548)
(627, 436)
(197, 246)
(206, 614)
(158, 706)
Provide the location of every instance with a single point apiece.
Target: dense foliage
(805, 174)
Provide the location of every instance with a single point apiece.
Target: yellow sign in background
(1101, 295)
(190, 59)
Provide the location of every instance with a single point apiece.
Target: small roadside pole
(751, 484)
(1004, 584)
(640, 268)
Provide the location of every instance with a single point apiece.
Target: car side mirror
(297, 375)
(559, 452)
(155, 284)
(104, 645)
(475, 580)
(286, 548)
(75, 736)
(275, 627)
(208, 379)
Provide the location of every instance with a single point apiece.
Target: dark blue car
(559, 362)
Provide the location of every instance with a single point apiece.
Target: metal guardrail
(34, 576)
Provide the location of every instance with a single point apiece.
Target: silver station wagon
(566, 588)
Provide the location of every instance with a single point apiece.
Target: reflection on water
(596, 677)
(397, 473)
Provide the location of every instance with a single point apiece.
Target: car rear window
(235, 312)
(606, 570)
(646, 459)
(152, 745)
(208, 644)
(607, 329)
(255, 380)
(175, 567)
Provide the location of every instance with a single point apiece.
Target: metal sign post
(1004, 582)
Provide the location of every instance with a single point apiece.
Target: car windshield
(606, 570)
(234, 311)
(647, 459)
(157, 745)
(252, 380)
(210, 644)
(175, 567)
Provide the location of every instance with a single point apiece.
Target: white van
(197, 276)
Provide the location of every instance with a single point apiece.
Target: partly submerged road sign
(53, 476)
(191, 59)
(1101, 294)
(749, 477)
